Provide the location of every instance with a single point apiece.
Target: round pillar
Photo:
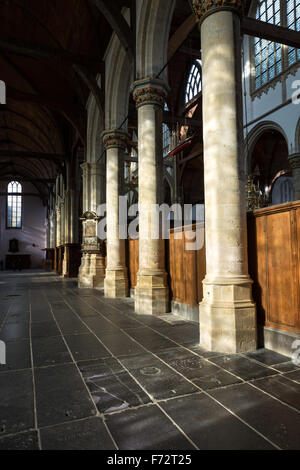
(116, 279)
(151, 293)
(227, 312)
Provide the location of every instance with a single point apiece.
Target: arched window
(14, 205)
(194, 83)
(271, 59)
(166, 135)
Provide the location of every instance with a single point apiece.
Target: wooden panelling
(274, 246)
(187, 267)
(133, 261)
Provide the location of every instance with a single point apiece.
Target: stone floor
(84, 372)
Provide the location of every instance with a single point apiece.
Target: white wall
(287, 117)
(33, 230)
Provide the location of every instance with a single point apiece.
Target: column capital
(85, 167)
(202, 8)
(150, 91)
(294, 160)
(115, 138)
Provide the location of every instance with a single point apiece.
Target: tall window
(194, 83)
(166, 136)
(14, 205)
(293, 22)
(270, 59)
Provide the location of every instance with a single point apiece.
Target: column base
(92, 272)
(228, 317)
(116, 283)
(151, 294)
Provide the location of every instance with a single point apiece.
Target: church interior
(118, 333)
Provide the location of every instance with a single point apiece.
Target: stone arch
(94, 129)
(153, 28)
(119, 76)
(254, 136)
(170, 181)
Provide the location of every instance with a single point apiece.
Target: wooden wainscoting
(274, 255)
(133, 262)
(187, 268)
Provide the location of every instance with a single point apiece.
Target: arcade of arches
(176, 102)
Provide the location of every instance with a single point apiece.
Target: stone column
(92, 269)
(84, 269)
(97, 257)
(116, 280)
(58, 225)
(72, 248)
(151, 294)
(295, 165)
(52, 229)
(227, 312)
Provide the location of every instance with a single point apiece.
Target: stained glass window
(14, 205)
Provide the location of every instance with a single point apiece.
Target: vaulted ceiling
(51, 52)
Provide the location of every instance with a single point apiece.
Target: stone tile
(124, 322)
(182, 333)
(84, 311)
(71, 326)
(286, 367)
(267, 357)
(150, 320)
(87, 434)
(204, 374)
(16, 402)
(18, 356)
(201, 351)
(150, 339)
(85, 347)
(49, 351)
(61, 381)
(23, 441)
(242, 366)
(41, 312)
(212, 427)
(100, 325)
(44, 329)
(112, 388)
(103, 307)
(156, 378)
(15, 331)
(276, 421)
(282, 388)
(146, 428)
(120, 344)
(15, 317)
(294, 375)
